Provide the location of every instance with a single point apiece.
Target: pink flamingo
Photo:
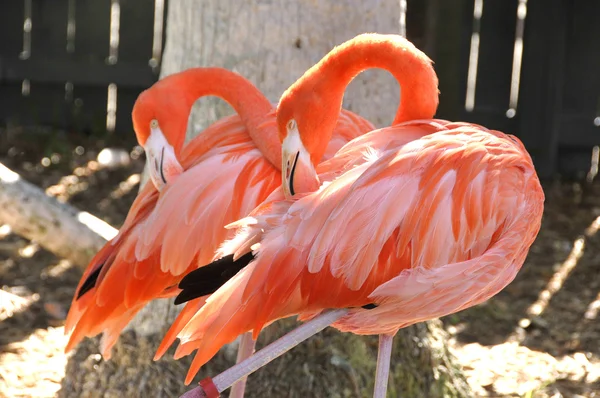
(411, 222)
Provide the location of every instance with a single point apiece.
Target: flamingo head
(160, 130)
(306, 119)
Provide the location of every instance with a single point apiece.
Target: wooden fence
(530, 68)
(70, 63)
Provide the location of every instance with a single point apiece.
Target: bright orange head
(305, 121)
(160, 116)
(168, 101)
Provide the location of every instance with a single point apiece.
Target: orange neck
(318, 94)
(249, 103)
(411, 68)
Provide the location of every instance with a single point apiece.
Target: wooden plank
(135, 48)
(578, 130)
(497, 37)
(11, 45)
(164, 34)
(11, 28)
(11, 103)
(46, 104)
(578, 134)
(582, 77)
(89, 111)
(557, 35)
(416, 17)
(93, 30)
(574, 163)
(125, 100)
(581, 88)
(448, 48)
(79, 72)
(91, 47)
(49, 28)
(490, 108)
(542, 81)
(136, 31)
(462, 77)
(534, 90)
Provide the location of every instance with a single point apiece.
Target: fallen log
(58, 227)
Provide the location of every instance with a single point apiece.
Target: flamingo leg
(274, 350)
(245, 350)
(382, 372)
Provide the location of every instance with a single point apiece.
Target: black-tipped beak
(162, 162)
(291, 174)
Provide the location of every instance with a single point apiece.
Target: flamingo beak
(297, 171)
(162, 162)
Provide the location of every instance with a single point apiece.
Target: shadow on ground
(551, 306)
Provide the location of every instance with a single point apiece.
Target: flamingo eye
(154, 124)
(291, 125)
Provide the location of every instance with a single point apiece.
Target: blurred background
(71, 70)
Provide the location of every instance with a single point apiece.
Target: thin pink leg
(245, 349)
(274, 350)
(383, 365)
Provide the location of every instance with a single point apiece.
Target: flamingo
(411, 222)
(176, 223)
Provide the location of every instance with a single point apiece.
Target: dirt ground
(537, 338)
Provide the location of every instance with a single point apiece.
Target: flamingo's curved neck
(411, 67)
(250, 104)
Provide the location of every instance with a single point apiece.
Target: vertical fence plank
(136, 33)
(496, 46)
(465, 37)
(93, 30)
(49, 29)
(11, 28)
(125, 100)
(581, 90)
(582, 68)
(46, 104)
(542, 81)
(135, 46)
(498, 24)
(450, 49)
(416, 16)
(91, 45)
(11, 44)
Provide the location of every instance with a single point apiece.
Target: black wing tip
(208, 279)
(184, 297)
(209, 270)
(89, 283)
(370, 306)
